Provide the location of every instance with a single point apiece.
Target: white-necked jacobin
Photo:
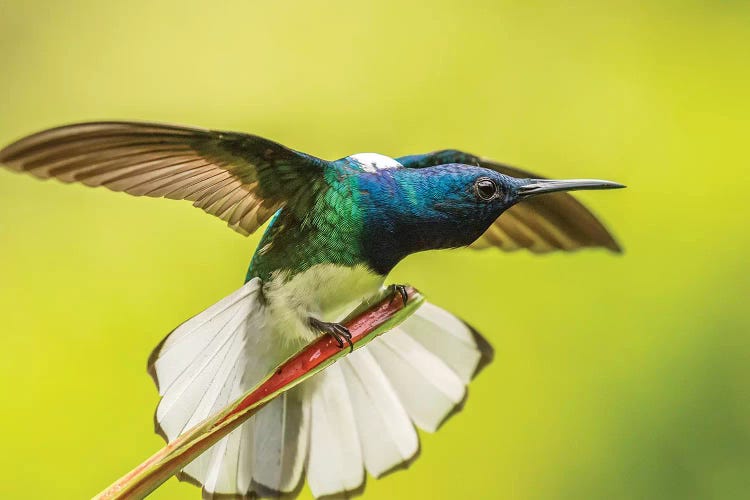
(337, 229)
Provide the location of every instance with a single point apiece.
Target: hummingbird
(335, 231)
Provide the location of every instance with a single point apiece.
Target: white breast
(326, 291)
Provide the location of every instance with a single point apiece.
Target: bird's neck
(384, 249)
(404, 215)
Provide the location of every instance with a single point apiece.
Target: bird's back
(327, 231)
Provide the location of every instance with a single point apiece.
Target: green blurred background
(618, 377)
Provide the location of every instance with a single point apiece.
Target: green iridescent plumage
(324, 232)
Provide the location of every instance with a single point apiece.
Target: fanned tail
(211, 360)
(356, 416)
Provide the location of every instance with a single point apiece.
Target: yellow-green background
(617, 377)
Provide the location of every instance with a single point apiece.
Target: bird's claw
(339, 332)
(401, 289)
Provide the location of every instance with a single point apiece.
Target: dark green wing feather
(240, 178)
(543, 224)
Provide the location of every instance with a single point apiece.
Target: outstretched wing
(240, 178)
(555, 221)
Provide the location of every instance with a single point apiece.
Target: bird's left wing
(555, 221)
(242, 179)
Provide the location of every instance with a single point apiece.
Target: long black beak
(533, 187)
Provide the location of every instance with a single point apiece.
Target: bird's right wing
(242, 179)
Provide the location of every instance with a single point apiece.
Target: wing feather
(240, 178)
(557, 221)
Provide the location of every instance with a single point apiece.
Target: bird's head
(449, 206)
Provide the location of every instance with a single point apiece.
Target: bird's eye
(485, 188)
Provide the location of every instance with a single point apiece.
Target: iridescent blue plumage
(408, 211)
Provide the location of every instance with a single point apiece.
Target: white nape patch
(372, 162)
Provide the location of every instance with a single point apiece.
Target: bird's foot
(401, 289)
(339, 332)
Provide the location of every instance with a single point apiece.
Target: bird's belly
(325, 291)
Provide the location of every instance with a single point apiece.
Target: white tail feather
(447, 337)
(387, 436)
(281, 444)
(334, 464)
(211, 360)
(357, 415)
(426, 386)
